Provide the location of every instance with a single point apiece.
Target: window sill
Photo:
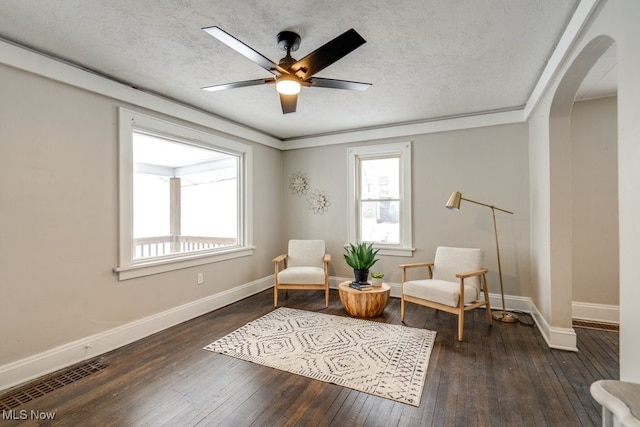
(406, 252)
(392, 251)
(165, 265)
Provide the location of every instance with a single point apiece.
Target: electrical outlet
(200, 278)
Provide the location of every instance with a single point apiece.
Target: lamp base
(505, 317)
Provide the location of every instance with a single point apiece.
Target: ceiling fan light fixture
(288, 85)
(289, 75)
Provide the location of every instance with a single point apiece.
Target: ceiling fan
(290, 74)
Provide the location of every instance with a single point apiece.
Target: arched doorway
(562, 227)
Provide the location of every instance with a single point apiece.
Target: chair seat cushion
(301, 276)
(441, 291)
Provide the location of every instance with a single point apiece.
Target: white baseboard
(558, 338)
(511, 302)
(595, 312)
(35, 366)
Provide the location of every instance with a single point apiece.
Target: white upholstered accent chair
(456, 280)
(306, 266)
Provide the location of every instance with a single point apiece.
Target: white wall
(624, 25)
(486, 164)
(58, 214)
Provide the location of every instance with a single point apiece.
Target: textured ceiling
(426, 59)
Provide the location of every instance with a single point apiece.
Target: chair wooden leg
(275, 296)
(326, 297)
(461, 325)
(402, 309)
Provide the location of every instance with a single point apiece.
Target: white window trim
(129, 268)
(405, 248)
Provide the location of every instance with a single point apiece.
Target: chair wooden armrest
(473, 273)
(327, 260)
(279, 258)
(414, 265)
(404, 267)
(466, 275)
(276, 263)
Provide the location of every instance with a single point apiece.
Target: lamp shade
(288, 85)
(454, 201)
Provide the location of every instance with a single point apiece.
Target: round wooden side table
(366, 303)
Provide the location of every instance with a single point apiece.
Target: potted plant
(361, 258)
(376, 278)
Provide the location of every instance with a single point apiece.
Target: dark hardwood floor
(499, 376)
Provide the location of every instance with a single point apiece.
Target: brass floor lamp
(454, 204)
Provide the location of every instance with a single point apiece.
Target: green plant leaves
(361, 256)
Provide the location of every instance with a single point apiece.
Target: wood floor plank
(538, 384)
(598, 348)
(499, 376)
(331, 417)
(316, 410)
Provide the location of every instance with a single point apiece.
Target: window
(183, 197)
(380, 197)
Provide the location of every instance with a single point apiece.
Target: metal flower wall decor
(319, 202)
(299, 183)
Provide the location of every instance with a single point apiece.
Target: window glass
(380, 178)
(185, 197)
(380, 199)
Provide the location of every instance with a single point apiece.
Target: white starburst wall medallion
(319, 202)
(299, 183)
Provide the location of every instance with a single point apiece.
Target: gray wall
(594, 199)
(486, 164)
(58, 218)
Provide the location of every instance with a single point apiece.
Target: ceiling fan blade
(338, 84)
(289, 103)
(245, 50)
(327, 54)
(240, 84)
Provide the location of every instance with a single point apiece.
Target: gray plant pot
(361, 276)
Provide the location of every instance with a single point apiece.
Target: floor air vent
(31, 391)
(596, 325)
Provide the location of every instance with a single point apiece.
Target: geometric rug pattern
(384, 360)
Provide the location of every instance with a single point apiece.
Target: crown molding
(39, 64)
(570, 36)
(443, 124)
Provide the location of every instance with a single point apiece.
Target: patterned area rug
(376, 358)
